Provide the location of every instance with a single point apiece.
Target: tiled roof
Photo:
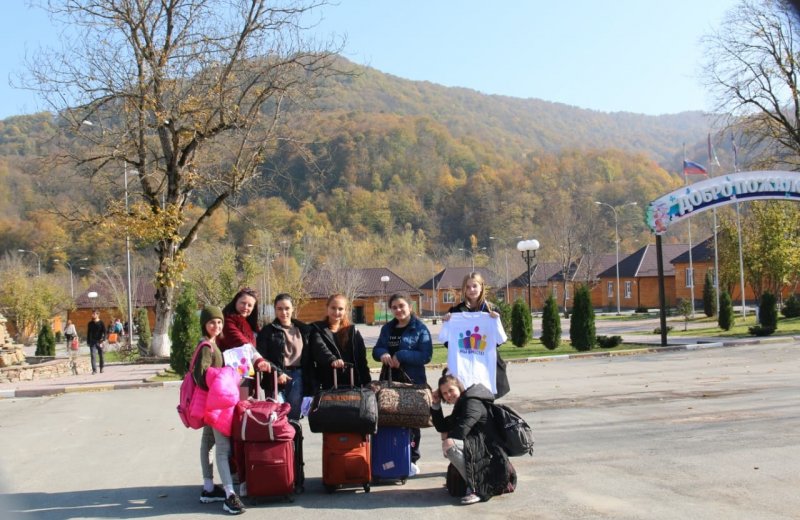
(542, 273)
(453, 277)
(702, 252)
(644, 262)
(368, 280)
(144, 295)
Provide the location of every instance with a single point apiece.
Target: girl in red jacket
(241, 321)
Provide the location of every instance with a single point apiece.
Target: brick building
(447, 284)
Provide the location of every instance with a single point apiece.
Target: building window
(628, 288)
(689, 277)
(610, 289)
(555, 292)
(449, 297)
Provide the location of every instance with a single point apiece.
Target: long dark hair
(230, 309)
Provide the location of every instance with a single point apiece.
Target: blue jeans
(96, 349)
(292, 392)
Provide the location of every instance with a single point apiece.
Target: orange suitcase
(346, 460)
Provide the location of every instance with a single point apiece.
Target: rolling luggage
(264, 447)
(455, 482)
(346, 456)
(346, 460)
(344, 410)
(299, 462)
(391, 454)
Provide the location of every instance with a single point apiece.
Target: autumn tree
(752, 69)
(187, 97)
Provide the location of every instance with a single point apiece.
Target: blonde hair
(478, 278)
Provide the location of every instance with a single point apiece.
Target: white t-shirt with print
(472, 339)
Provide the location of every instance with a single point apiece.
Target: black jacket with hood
(325, 351)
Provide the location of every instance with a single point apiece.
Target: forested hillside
(382, 170)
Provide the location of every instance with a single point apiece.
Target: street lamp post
(528, 250)
(505, 245)
(616, 240)
(384, 280)
(128, 262)
(471, 254)
(38, 260)
(71, 281)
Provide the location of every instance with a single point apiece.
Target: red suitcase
(346, 457)
(266, 467)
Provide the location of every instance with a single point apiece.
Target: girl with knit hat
(223, 393)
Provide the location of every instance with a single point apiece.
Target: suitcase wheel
(366, 488)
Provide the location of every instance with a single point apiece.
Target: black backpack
(515, 436)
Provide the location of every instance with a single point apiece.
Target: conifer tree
(46, 342)
(144, 332)
(581, 326)
(768, 312)
(185, 330)
(551, 324)
(725, 319)
(521, 324)
(709, 296)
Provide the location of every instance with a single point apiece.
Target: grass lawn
(786, 326)
(637, 316)
(509, 351)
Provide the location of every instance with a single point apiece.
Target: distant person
(470, 439)
(241, 321)
(473, 290)
(334, 342)
(118, 329)
(95, 335)
(285, 344)
(70, 332)
(404, 346)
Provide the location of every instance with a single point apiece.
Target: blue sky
(639, 56)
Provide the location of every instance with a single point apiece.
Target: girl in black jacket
(285, 343)
(335, 342)
(470, 440)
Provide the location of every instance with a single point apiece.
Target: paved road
(706, 434)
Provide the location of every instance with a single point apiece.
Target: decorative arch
(720, 191)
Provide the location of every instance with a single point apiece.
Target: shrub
(521, 324)
(725, 319)
(504, 309)
(46, 342)
(768, 313)
(791, 307)
(581, 326)
(709, 296)
(551, 324)
(657, 330)
(760, 330)
(144, 332)
(609, 341)
(185, 331)
(642, 310)
(684, 308)
(58, 336)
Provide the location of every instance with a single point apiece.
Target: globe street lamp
(38, 260)
(616, 240)
(384, 280)
(528, 250)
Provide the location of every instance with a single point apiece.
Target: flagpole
(689, 227)
(716, 248)
(739, 231)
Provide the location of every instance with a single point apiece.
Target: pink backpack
(192, 404)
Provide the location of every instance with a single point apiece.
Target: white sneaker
(414, 470)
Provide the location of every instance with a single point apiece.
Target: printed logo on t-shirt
(472, 342)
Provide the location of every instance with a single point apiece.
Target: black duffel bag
(344, 410)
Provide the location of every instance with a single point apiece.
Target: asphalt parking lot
(705, 434)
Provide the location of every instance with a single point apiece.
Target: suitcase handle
(260, 395)
(352, 375)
